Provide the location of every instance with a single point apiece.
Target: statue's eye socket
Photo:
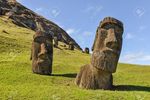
(39, 40)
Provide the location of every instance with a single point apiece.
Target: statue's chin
(43, 62)
(42, 66)
(106, 61)
(107, 66)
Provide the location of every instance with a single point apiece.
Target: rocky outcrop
(24, 17)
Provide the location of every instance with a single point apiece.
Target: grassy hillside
(18, 82)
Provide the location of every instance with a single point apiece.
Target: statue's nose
(43, 51)
(43, 48)
(111, 40)
(112, 35)
(112, 45)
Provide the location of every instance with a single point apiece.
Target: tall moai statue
(87, 51)
(71, 46)
(106, 51)
(42, 52)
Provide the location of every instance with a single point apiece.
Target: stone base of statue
(92, 78)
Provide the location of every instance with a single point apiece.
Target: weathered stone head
(42, 53)
(107, 45)
(87, 50)
(106, 52)
(71, 46)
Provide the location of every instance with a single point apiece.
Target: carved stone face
(107, 47)
(42, 53)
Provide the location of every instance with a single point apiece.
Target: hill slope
(18, 82)
(25, 17)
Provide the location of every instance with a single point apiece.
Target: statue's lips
(111, 51)
(112, 47)
(43, 59)
(106, 59)
(43, 63)
(42, 56)
(105, 54)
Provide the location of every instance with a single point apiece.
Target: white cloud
(131, 57)
(146, 58)
(129, 36)
(141, 28)
(70, 31)
(136, 58)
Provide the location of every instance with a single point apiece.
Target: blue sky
(80, 19)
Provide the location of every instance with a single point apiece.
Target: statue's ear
(95, 40)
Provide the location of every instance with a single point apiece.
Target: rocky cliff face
(25, 17)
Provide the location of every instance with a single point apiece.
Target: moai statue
(106, 51)
(55, 41)
(86, 50)
(42, 53)
(59, 36)
(39, 24)
(71, 46)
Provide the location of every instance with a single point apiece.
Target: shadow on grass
(69, 75)
(131, 88)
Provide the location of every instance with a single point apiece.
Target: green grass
(18, 82)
